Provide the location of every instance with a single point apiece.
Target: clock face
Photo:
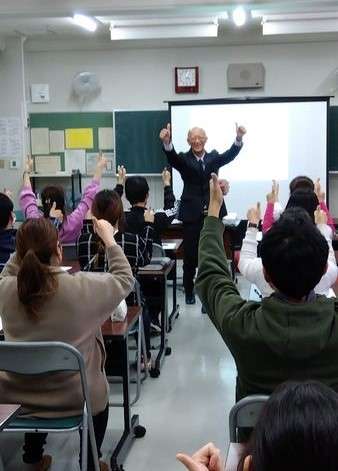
(186, 80)
(186, 77)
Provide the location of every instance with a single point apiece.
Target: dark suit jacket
(195, 196)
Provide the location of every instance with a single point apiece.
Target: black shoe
(203, 309)
(190, 299)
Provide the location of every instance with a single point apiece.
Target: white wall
(143, 79)
(11, 101)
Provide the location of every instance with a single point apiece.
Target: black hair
(294, 254)
(53, 194)
(137, 189)
(297, 429)
(6, 209)
(302, 182)
(305, 199)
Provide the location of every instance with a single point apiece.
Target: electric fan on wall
(85, 87)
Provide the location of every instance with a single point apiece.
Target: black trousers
(191, 236)
(34, 442)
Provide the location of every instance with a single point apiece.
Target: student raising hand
(105, 231)
(166, 177)
(216, 196)
(121, 175)
(207, 458)
(149, 216)
(272, 197)
(320, 216)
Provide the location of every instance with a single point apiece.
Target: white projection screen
(285, 137)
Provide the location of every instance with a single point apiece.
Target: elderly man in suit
(195, 168)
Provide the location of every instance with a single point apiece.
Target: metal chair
(158, 251)
(245, 414)
(37, 358)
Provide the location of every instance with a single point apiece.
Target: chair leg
(93, 443)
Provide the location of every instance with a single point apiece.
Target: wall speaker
(245, 76)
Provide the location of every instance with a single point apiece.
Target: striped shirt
(137, 249)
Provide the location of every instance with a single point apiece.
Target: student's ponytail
(36, 243)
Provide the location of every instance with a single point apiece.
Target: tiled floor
(182, 409)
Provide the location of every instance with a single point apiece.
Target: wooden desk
(161, 275)
(7, 413)
(234, 455)
(118, 332)
(172, 253)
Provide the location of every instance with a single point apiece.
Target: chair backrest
(245, 414)
(158, 251)
(36, 358)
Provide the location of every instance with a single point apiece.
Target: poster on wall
(10, 138)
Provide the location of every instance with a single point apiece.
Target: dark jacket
(135, 217)
(272, 341)
(195, 196)
(7, 244)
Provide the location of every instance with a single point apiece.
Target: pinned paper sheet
(106, 140)
(91, 160)
(47, 164)
(75, 160)
(57, 141)
(81, 138)
(40, 141)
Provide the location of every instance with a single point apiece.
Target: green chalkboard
(137, 144)
(62, 121)
(333, 138)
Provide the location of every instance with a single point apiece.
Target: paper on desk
(57, 141)
(106, 139)
(169, 246)
(47, 163)
(40, 141)
(81, 138)
(75, 160)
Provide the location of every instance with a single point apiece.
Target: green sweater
(272, 341)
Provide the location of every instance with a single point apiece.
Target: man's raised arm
(173, 158)
(234, 150)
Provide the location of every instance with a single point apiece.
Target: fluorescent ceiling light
(158, 28)
(239, 16)
(300, 23)
(85, 22)
(224, 15)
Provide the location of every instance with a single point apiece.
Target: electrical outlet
(13, 164)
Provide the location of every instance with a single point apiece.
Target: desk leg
(132, 429)
(175, 310)
(164, 349)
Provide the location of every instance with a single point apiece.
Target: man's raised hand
(240, 131)
(165, 135)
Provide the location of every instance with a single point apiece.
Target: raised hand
(272, 197)
(121, 175)
(166, 177)
(105, 231)
(318, 190)
(320, 216)
(254, 214)
(225, 186)
(149, 216)
(165, 135)
(101, 164)
(240, 131)
(216, 196)
(29, 164)
(56, 213)
(207, 458)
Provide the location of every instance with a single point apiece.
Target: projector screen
(285, 138)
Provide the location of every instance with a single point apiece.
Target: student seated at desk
(7, 233)
(107, 205)
(251, 266)
(296, 431)
(303, 183)
(41, 302)
(54, 206)
(292, 334)
(137, 193)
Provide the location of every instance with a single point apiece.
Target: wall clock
(186, 80)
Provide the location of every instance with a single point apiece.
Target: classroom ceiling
(51, 20)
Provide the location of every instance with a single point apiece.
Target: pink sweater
(71, 227)
(268, 219)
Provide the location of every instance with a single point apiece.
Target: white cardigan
(251, 266)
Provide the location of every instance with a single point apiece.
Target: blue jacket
(7, 244)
